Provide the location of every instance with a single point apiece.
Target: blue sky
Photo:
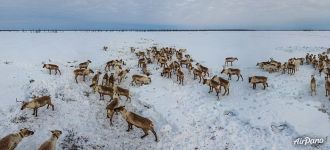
(159, 14)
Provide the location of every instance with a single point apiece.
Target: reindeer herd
(171, 61)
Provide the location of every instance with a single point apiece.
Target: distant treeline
(142, 30)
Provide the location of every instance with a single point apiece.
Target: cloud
(253, 14)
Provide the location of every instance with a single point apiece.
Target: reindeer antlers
(19, 101)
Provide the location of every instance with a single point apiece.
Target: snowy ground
(186, 117)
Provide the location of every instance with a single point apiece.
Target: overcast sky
(182, 14)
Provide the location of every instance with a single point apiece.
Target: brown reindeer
(51, 67)
(223, 82)
(95, 79)
(142, 61)
(230, 60)
(258, 79)
(113, 63)
(103, 90)
(82, 72)
(179, 76)
(185, 62)
(50, 144)
(111, 107)
(140, 122)
(37, 103)
(105, 79)
(122, 75)
(10, 141)
(140, 79)
(123, 92)
(232, 71)
(167, 71)
(291, 68)
(84, 65)
(203, 69)
(214, 85)
(313, 85)
(111, 81)
(327, 86)
(198, 73)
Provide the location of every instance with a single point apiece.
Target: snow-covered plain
(186, 117)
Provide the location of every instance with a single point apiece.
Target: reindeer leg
(47, 106)
(59, 71)
(36, 112)
(50, 71)
(84, 78)
(129, 127)
(153, 131)
(52, 106)
(111, 115)
(145, 133)
(264, 86)
(237, 77)
(241, 77)
(76, 79)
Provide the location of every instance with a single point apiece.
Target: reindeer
(145, 70)
(203, 69)
(185, 62)
(95, 79)
(51, 67)
(141, 79)
(213, 85)
(37, 103)
(258, 79)
(113, 63)
(82, 72)
(140, 122)
(111, 81)
(291, 68)
(123, 92)
(142, 61)
(111, 107)
(105, 79)
(122, 75)
(223, 82)
(162, 61)
(230, 60)
(232, 71)
(167, 71)
(50, 144)
(84, 65)
(10, 141)
(198, 73)
(327, 86)
(179, 76)
(103, 90)
(313, 85)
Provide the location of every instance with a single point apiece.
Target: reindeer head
(120, 109)
(44, 66)
(127, 70)
(24, 104)
(89, 61)
(91, 71)
(56, 133)
(224, 70)
(250, 78)
(205, 81)
(25, 132)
